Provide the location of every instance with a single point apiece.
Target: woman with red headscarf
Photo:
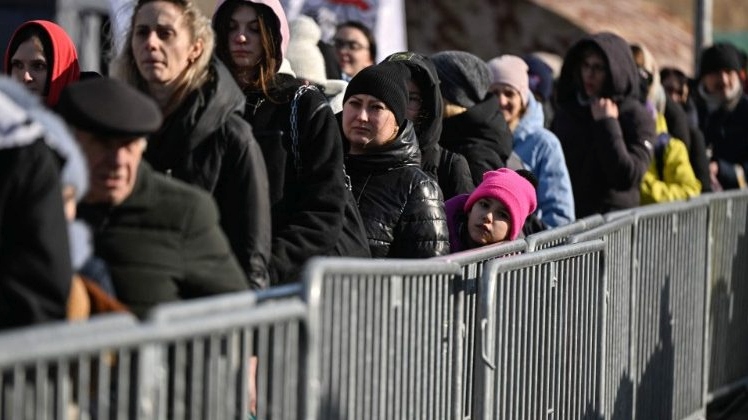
(42, 57)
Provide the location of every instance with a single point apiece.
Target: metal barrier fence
(466, 302)
(560, 235)
(637, 314)
(542, 332)
(387, 333)
(618, 399)
(191, 362)
(728, 293)
(669, 309)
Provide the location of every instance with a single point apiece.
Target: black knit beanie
(720, 56)
(385, 81)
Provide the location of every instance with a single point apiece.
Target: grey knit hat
(464, 78)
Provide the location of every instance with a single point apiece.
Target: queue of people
(203, 167)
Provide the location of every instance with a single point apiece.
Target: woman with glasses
(425, 109)
(355, 46)
(605, 131)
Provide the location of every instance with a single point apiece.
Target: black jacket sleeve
(245, 217)
(35, 267)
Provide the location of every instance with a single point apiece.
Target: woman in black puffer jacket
(401, 206)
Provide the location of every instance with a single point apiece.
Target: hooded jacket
(481, 135)
(540, 150)
(606, 158)
(205, 142)
(402, 207)
(451, 170)
(35, 266)
(307, 209)
(63, 69)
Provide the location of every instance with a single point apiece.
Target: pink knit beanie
(512, 71)
(515, 192)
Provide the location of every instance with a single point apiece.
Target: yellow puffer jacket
(678, 179)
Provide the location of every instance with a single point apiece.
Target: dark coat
(451, 170)
(481, 135)
(726, 132)
(402, 207)
(307, 207)
(35, 266)
(607, 158)
(679, 126)
(205, 142)
(163, 243)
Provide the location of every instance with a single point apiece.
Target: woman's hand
(603, 108)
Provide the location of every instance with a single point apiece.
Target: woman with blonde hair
(204, 141)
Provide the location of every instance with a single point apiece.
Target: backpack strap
(295, 125)
(295, 132)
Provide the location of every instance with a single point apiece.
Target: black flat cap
(109, 107)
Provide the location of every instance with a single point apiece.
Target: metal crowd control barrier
(542, 328)
(387, 337)
(560, 235)
(65, 371)
(208, 348)
(669, 309)
(471, 262)
(618, 237)
(728, 299)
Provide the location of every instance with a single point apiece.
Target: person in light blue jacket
(538, 148)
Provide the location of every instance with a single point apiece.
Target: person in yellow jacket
(670, 176)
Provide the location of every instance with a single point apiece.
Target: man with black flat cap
(160, 237)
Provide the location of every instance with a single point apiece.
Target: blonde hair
(123, 67)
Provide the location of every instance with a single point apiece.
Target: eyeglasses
(594, 67)
(345, 44)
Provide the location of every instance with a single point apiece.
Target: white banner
(385, 17)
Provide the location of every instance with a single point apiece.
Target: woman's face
(415, 101)
(162, 43)
(367, 123)
(677, 91)
(245, 44)
(488, 222)
(29, 66)
(510, 102)
(594, 71)
(352, 50)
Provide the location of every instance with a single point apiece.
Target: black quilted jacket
(401, 206)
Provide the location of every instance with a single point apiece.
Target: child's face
(488, 222)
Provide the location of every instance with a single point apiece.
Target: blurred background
(672, 29)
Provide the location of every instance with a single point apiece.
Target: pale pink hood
(275, 5)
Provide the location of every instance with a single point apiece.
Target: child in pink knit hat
(495, 212)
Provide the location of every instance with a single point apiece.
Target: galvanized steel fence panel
(180, 367)
(560, 235)
(541, 346)
(728, 286)
(669, 309)
(387, 337)
(471, 263)
(65, 371)
(618, 236)
(207, 352)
